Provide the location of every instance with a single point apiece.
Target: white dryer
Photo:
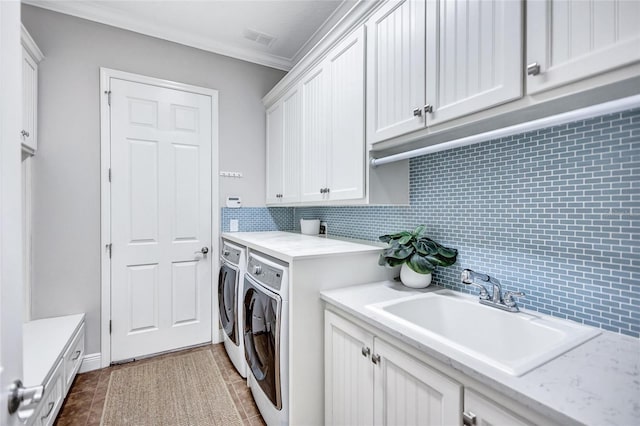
(266, 331)
(233, 261)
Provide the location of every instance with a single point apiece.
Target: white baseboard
(91, 362)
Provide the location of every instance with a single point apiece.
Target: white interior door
(10, 211)
(160, 219)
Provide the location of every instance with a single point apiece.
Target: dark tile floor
(85, 400)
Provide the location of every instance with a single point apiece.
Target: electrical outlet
(233, 225)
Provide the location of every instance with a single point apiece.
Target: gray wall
(66, 222)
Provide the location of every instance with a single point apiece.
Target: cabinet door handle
(533, 68)
(24, 133)
(366, 351)
(76, 355)
(375, 358)
(468, 418)
(417, 112)
(428, 108)
(51, 405)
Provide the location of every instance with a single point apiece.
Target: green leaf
(447, 252)
(405, 239)
(418, 231)
(420, 264)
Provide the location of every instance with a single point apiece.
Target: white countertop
(43, 343)
(288, 246)
(597, 383)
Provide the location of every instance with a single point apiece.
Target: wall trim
(91, 362)
(106, 74)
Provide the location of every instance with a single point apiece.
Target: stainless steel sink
(514, 343)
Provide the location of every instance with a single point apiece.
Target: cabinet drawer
(73, 357)
(52, 398)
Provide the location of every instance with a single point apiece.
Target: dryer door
(262, 338)
(227, 291)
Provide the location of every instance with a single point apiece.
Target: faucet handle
(508, 298)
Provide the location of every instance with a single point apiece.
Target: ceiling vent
(258, 37)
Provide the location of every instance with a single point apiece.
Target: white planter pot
(412, 279)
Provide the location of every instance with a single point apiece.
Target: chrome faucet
(496, 300)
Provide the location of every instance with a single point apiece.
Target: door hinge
(108, 93)
(109, 174)
(109, 246)
(109, 326)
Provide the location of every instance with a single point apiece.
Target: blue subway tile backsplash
(554, 213)
(254, 219)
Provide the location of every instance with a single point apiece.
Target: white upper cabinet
(346, 149)
(31, 56)
(395, 70)
(284, 137)
(474, 56)
(292, 131)
(315, 134)
(569, 40)
(275, 144)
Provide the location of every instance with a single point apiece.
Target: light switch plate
(233, 225)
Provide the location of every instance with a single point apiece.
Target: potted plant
(419, 255)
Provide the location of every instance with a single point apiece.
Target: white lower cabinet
(371, 381)
(479, 410)
(368, 381)
(52, 398)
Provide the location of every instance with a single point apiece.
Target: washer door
(227, 291)
(261, 310)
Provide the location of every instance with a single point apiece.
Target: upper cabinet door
(568, 40)
(474, 56)
(314, 134)
(29, 101)
(396, 70)
(292, 124)
(347, 145)
(275, 141)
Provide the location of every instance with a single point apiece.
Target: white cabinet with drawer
(73, 358)
(53, 350)
(52, 398)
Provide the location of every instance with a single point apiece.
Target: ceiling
(220, 26)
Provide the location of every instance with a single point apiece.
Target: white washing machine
(233, 261)
(266, 333)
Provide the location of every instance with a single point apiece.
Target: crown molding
(30, 45)
(355, 17)
(105, 15)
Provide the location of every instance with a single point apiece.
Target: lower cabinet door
(52, 399)
(487, 412)
(408, 392)
(348, 373)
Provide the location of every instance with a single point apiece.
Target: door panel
(275, 145)
(474, 56)
(314, 145)
(396, 67)
(346, 141)
(409, 392)
(348, 373)
(575, 39)
(292, 125)
(161, 218)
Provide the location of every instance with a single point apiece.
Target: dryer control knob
(257, 270)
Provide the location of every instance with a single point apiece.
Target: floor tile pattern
(85, 400)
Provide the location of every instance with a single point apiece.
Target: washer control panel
(265, 274)
(231, 254)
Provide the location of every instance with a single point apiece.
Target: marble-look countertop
(596, 383)
(288, 246)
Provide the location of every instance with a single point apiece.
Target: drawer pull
(51, 404)
(76, 355)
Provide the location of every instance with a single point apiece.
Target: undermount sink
(514, 343)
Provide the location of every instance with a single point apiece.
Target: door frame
(105, 197)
